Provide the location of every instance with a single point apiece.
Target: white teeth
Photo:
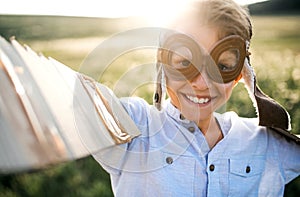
(197, 100)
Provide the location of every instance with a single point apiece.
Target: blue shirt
(172, 157)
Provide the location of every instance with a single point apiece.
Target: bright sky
(92, 8)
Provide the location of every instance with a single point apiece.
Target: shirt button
(212, 167)
(181, 117)
(248, 169)
(191, 129)
(169, 160)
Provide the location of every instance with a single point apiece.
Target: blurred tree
(275, 7)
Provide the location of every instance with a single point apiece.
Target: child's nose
(201, 81)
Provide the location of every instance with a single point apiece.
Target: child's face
(198, 98)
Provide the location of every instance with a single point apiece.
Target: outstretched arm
(50, 113)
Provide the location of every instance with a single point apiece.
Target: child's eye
(223, 67)
(179, 62)
(185, 63)
(228, 60)
(181, 58)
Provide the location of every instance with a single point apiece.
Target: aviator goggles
(183, 59)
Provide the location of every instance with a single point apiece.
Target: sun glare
(156, 10)
(160, 12)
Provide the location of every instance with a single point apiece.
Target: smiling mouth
(198, 100)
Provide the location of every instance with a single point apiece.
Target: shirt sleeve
(112, 159)
(289, 157)
(138, 110)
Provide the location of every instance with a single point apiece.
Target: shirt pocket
(245, 176)
(175, 178)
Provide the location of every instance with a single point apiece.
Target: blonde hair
(226, 15)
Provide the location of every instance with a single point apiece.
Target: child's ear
(238, 79)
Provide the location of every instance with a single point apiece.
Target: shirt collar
(223, 119)
(173, 112)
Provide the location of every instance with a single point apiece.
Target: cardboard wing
(50, 113)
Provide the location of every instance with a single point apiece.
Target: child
(186, 148)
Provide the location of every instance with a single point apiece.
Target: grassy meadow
(275, 56)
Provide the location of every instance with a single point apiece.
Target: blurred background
(70, 39)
